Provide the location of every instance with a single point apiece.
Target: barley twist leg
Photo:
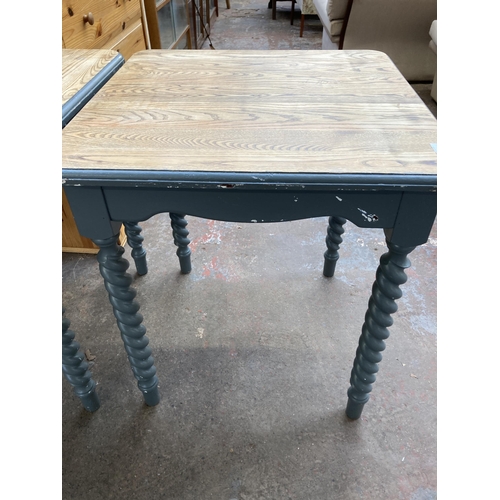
(76, 369)
(181, 240)
(333, 241)
(117, 281)
(385, 291)
(135, 239)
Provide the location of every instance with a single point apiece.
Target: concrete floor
(253, 351)
(248, 25)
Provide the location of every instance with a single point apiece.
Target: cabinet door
(181, 24)
(202, 17)
(168, 24)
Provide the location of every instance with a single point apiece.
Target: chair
(433, 46)
(334, 15)
(228, 6)
(399, 28)
(272, 5)
(306, 8)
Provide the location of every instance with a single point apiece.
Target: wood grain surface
(79, 66)
(112, 20)
(255, 111)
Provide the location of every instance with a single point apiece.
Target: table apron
(406, 217)
(363, 208)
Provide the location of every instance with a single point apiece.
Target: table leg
(134, 239)
(113, 269)
(390, 274)
(333, 241)
(181, 240)
(76, 369)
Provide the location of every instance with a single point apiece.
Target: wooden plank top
(79, 66)
(255, 111)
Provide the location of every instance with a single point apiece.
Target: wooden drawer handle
(88, 18)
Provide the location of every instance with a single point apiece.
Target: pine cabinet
(103, 24)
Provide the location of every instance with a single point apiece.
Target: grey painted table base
(403, 206)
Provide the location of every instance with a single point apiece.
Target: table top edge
(261, 180)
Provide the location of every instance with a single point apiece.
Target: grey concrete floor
(248, 25)
(253, 351)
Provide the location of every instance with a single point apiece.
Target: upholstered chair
(433, 45)
(306, 8)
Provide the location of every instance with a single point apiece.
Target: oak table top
(334, 112)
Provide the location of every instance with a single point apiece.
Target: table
(256, 137)
(84, 72)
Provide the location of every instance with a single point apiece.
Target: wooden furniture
(203, 15)
(84, 72)
(272, 5)
(103, 24)
(228, 6)
(168, 22)
(98, 24)
(355, 142)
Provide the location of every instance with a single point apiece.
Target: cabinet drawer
(132, 41)
(112, 18)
